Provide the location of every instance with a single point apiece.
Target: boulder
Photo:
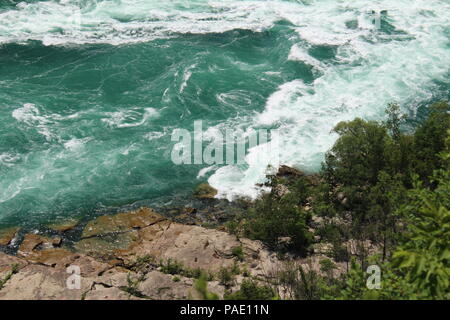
(121, 222)
(289, 172)
(63, 226)
(205, 191)
(104, 247)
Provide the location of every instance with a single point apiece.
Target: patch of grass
(132, 284)
(245, 272)
(174, 267)
(235, 270)
(238, 252)
(143, 264)
(250, 290)
(226, 277)
(14, 270)
(171, 267)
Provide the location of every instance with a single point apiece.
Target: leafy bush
(274, 218)
(225, 277)
(238, 252)
(250, 290)
(424, 256)
(301, 283)
(327, 266)
(429, 140)
(358, 155)
(380, 186)
(171, 267)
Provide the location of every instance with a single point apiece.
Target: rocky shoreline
(128, 256)
(140, 254)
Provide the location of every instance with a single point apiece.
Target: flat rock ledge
(132, 255)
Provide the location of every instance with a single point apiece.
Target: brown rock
(322, 248)
(29, 244)
(64, 226)
(56, 241)
(160, 286)
(115, 277)
(123, 240)
(32, 241)
(205, 191)
(340, 196)
(105, 247)
(37, 282)
(49, 257)
(48, 279)
(121, 222)
(100, 292)
(289, 172)
(189, 210)
(6, 235)
(280, 190)
(193, 246)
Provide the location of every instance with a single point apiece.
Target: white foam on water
(186, 76)
(75, 144)
(370, 70)
(8, 159)
(30, 115)
(120, 119)
(299, 54)
(129, 21)
(203, 172)
(154, 135)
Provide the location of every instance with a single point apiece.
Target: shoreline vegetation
(381, 199)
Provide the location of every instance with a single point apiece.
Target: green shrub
(171, 267)
(225, 277)
(327, 266)
(250, 290)
(274, 218)
(301, 284)
(238, 252)
(142, 263)
(429, 141)
(358, 155)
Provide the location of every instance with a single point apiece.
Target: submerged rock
(64, 226)
(205, 191)
(105, 247)
(289, 172)
(121, 222)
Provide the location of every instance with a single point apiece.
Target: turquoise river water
(91, 90)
